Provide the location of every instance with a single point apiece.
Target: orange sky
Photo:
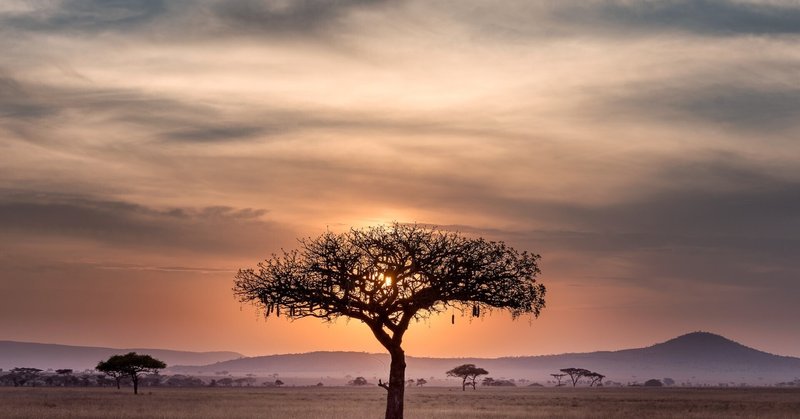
(647, 150)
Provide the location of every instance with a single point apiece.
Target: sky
(648, 150)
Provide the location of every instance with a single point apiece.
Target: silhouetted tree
(279, 383)
(595, 378)
(668, 381)
(388, 276)
(558, 378)
(468, 373)
(358, 381)
(179, 380)
(653, 383)
(491, 382)
(575, 374)
(24, 375)
(131, 365)
(421, 382)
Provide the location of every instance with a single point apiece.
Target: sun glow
(387, 281)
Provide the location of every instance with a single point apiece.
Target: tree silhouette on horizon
(387, 276)
(131, 365)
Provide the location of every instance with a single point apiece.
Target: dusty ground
(424, 403)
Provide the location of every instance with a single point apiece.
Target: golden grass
(421, 403)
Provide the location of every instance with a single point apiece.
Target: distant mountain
(699, 358)
(44, 355)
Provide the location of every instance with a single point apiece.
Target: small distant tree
(468, 374)
(279, 383)
(358, 381)
(64, 371)
(653, 383)
(421, 382)
(410, 382)
(24, 375)
(575, 374)
(595, 379)
(668, 381)
(558, 378)
(131, 365)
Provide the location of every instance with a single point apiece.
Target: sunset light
(164, 166)
(140, 153)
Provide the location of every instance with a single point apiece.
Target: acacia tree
(131, 365)
(558, 378)
(468, 374)
(387, 276)
(575, 374)
(23, 375)
(595, 379)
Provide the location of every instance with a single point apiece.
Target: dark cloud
(16, 102)
(731, 105)
(521, 19)
(184, 18)
(85, 15)
(286, 17)
(169, 119)
(217, 230)
(698, 16)
(300, 18)
(213, 134)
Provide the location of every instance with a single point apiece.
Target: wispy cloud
(641, 145)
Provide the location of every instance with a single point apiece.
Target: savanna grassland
(423, 403)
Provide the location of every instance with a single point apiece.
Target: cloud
(719, 17)
(219, 230)
(84, 15)
(730, 105)
(181, 19)
(543, 19)
(296, 18)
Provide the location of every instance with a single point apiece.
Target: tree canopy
(575, 374)
(131, 365)
(387, 276)
(468, 374)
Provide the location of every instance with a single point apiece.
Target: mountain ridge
(702, 357)
(53, 355)
(697, 357)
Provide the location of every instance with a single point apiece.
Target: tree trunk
(396, 387)
(135, 384)
(118, 379)
(464, 384)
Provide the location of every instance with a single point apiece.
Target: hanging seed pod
(453, 319)
(477, 311)
(277, 310)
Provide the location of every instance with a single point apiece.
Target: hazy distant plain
(422, 403)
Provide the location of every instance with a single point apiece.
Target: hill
(45, 355)
(699, 358)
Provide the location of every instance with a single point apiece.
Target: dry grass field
(423, 403)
